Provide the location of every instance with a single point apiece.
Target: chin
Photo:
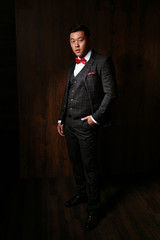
(78, 55)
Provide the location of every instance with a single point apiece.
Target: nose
(77, 43)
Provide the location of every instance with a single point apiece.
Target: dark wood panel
(127, 30)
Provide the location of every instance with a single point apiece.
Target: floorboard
(34, 209)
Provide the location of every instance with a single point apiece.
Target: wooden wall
(127, 30)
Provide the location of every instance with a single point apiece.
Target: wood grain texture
(127, 30)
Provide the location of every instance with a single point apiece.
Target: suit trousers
(81, 141)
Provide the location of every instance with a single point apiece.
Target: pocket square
(91, 73)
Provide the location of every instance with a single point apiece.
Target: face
(79, 43)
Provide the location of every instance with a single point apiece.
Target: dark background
(35, 52)
(9, 134)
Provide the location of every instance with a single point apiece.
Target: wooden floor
(34, 209)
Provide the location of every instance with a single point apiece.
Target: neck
(85, 53)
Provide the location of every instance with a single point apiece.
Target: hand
(89, 119)
(60, 129)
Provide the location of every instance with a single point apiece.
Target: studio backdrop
(129, 32)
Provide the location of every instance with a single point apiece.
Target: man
(90, 89)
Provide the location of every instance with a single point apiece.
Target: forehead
(78, 34)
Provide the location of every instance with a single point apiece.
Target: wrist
(94, 120)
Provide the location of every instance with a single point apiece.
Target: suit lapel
(70, 71)
(88, 65)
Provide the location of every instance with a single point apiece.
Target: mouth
(77, 50)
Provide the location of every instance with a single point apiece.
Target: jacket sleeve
(107, 77)
(63, 107)
(64, 101)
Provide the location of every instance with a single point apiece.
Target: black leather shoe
(75, 201)
(92, 221)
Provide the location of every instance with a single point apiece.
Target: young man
(90, 89)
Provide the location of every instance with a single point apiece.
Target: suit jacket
(99, 81)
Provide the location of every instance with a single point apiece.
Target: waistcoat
(78, 105)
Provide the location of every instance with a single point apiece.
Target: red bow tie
(82, 60)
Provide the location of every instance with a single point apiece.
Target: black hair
(80, 27)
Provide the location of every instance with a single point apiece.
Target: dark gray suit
(99, 82)
(89, 93)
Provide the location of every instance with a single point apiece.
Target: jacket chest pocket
(93, 83)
